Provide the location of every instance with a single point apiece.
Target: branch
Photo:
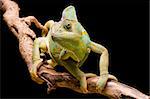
(20, 28)
(113, 89)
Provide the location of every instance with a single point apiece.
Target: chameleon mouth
(53, 36)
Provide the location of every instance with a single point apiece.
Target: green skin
(69, 45)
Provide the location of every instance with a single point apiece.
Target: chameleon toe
(34, 76)
(84, 90)
(111, 77)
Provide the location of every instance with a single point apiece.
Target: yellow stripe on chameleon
(84, 32)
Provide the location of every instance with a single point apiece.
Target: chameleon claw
(84, 90)
(88, 75)
(34, 76)
(33, 73)
(111, 77)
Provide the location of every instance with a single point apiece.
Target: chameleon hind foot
(33, 72)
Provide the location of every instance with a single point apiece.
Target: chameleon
(68, 44)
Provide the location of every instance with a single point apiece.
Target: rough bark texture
(20, 28)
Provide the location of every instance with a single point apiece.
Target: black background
(122, 27)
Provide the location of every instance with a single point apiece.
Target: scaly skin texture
(69, 45)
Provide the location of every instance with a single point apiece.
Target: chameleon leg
(37, 61)
(77, 73)
(47, 25)
(103, 64)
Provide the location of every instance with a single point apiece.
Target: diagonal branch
(20, 28)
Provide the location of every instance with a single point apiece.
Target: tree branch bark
(20, 28)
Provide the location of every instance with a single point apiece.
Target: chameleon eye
(67, 27)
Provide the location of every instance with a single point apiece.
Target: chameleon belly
(55, 50)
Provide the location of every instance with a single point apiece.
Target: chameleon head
(68, 32)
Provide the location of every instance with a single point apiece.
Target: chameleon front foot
(83, 81)
(33, 72)
(83, 84)
(101, 83)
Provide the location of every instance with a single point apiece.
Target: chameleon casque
(69, 45)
